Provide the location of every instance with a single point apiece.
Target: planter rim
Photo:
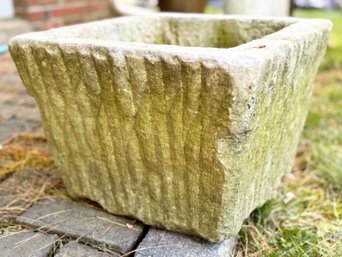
(296, 31)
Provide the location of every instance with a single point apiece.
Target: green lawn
(306, 217)
(334, 53)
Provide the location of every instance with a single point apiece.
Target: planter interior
(194, 30)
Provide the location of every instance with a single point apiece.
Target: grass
(334, 53)
(324, 126)
(305, 219)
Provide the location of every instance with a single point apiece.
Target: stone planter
(186, 122)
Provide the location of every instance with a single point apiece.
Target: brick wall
(46, 14)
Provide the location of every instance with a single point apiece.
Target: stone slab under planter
(186, 122)
(158, 243)
(83, 223)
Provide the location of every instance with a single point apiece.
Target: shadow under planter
(186, 122)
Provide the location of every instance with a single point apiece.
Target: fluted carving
(186, 138)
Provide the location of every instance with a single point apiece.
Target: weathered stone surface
(186, 122)
(26, 244)
(74, 249)
(79, 221)
(159, 243)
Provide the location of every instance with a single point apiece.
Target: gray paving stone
(161, 243)
(18, 111)
(26, 244)
(80, 221)
(15, 190)
(74, 249)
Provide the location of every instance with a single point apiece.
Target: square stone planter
(186, 122)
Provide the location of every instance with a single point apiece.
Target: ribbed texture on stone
(188, 142)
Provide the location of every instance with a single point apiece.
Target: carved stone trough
(186, 122)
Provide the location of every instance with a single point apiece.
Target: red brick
(37, 16)
(25, 3)
(21, 14)
(44, 25)
(64, 12)
(98, 6)
(32, 2)
(48, 1)
(20, 3)
(69, 11)
(73, 1)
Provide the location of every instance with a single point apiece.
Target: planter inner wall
(189, 31)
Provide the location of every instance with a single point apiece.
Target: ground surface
(304, 220)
